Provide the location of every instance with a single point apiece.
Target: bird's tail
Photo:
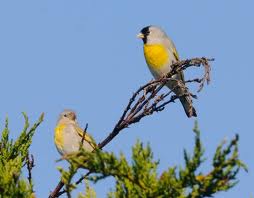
(187, 105)
(182, 92)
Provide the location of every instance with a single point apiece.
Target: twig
(197, 62)
(76, 183)
(83, 136)
(137, 112)
(56, 190)
(30, 164)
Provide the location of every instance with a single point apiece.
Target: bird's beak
(141, 36)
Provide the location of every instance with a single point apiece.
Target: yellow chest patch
(59, 136)
(156, 55)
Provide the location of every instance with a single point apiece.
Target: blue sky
(84, 55)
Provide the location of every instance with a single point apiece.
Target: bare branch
(56, 190)
(150, 100)
(30, 165)
(83, 136)
(76, 183)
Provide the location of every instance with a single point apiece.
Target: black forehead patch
(145, 30)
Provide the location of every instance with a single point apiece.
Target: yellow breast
(59, 136)
(156, 55)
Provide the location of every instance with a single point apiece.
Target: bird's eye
(65, 115)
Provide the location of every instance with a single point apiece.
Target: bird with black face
(160, 53)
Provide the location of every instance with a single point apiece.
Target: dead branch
(151, 100)
(83, 136)
(30, 165)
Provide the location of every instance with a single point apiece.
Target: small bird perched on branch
(160, 53)
(69, 136)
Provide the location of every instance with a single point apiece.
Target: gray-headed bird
(68, 135)
(160, 53)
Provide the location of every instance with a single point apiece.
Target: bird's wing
(87, 137)
(172, 47)
(175, 53)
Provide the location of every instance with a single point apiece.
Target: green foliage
(141, 179)
(13, 156)
(89, 192)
